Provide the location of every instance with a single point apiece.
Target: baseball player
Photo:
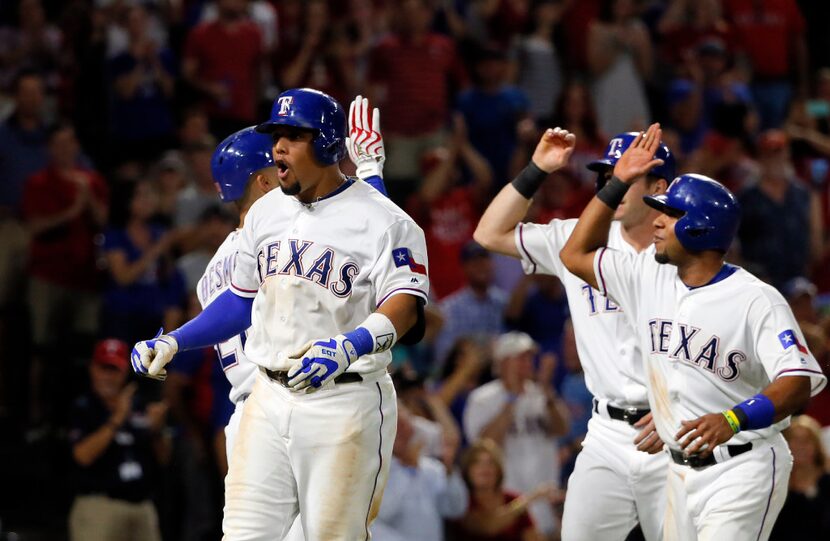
(328, 275)
(615, 454)
(244, 171)
(725, 360)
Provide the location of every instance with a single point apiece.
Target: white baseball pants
(324, 455)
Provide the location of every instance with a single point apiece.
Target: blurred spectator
(117, 444)
(223, 61)
(540, 74)
(575, 111)
(817, 338)
(201, 193)
(577, 397)
(170, 174)
(447, 208)
(215, 224)
(806, 513)
(770, 35)
(63, 207)
(800, 294)
(142, 82)
(476, 310)
(522, 416)
(538, 306)
(421, 491)
(434, 426)
(415, 102)
(323, 58)
(466, 367)
(33, 43)
(261, 12)
(779, 216)
(496, 21)
(145, 291)
(686, 24)
(493, 110)
(494, 513)
(620, 58)
(23, 140)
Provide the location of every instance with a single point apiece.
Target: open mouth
(282, 169)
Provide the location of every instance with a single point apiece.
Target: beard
(294, 189)
(661, 258)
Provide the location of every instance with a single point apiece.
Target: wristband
(732, 419)
(375, 335)
(755, 413)
(613, 192)
(529, 180)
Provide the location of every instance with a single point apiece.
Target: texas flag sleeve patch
(403, 258)
(788, 338)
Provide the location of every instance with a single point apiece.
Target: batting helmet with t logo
(312, 110)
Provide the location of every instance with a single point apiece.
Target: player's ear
(659, 186)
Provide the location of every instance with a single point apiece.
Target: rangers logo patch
(285, 104)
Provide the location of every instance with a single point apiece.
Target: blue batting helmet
(621, 142)
(711, 213)
(312, 110)
(237, 158)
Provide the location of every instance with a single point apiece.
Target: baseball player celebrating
(328, 275)
(620, 429)
(724, 357)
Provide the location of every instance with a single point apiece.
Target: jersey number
(227, 351)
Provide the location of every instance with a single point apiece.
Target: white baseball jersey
(217, 279)
(605, 338)
(318, 270)
(708, 348)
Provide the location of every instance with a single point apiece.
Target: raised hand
(638, 159)
(554, 149)
(365, 142)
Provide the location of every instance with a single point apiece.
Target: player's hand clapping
(321, 362)
(639, 158)
(554, 149)
(365, 142)
(703, 434)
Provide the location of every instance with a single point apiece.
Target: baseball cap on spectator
(472, 250)
(112, 353)
(799, 286)
(772, 140)
(513, 343)
(171, 161)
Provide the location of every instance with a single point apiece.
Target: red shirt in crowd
(66, 254)
(229, 55)
(448, 224)
(416, 78)
(766, 31)
(514, 533)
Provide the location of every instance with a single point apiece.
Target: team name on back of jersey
(217, 278)
(706, 355)
(301, 258)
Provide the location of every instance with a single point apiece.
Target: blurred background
(111, 110)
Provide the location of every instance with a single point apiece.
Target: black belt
(281, 377)
(696, 461)
(629, 415)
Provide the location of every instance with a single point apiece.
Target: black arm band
(742, 418)
(613, 192)
(529, 180)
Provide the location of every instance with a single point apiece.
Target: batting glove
(365, 142)
(322, 362)
(149, 357)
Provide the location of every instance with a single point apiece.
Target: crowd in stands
(110, 111)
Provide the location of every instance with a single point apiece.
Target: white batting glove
(365, 142)
(149, 357)
(322, 362)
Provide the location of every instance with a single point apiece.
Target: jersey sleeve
(619, 276)
(539, 246)
(401, 266)
(244, 281)
(781, 348)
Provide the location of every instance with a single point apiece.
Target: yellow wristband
(733, 421)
